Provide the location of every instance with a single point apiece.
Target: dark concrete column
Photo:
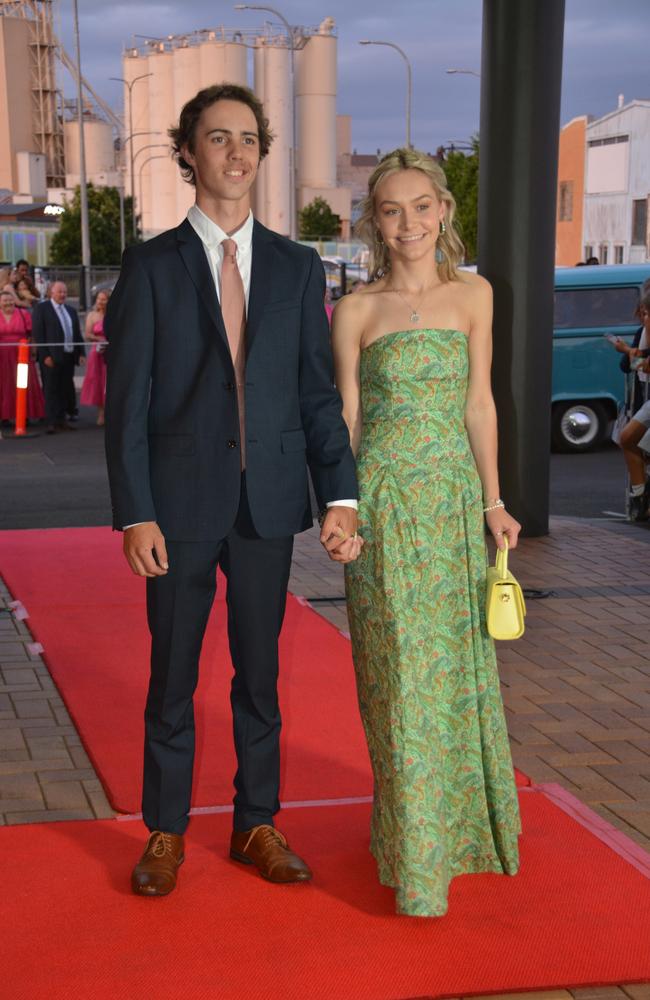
(520, 121)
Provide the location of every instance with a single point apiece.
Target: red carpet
(575, 915)
(87, 610)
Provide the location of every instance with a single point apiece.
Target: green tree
(318, 221)
(462, 178)
(103, 223)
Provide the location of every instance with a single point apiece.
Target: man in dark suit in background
(220, 395)
(56, 324)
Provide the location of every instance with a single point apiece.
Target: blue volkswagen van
(588, 385)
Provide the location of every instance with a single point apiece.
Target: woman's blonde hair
(449, 248)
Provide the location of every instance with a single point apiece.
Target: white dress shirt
(212, 236)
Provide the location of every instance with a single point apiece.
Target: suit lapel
(261, 280)
(194, 257)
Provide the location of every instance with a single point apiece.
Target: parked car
(588, 385)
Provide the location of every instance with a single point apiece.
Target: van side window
(588, 307)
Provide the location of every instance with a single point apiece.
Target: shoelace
(270, 834)
(160, 844)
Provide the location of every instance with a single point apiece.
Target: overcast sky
(605, 54)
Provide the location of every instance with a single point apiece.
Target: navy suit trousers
(178, 606)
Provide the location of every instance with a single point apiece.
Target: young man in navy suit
(220, 397)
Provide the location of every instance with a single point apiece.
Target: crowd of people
(42, 316)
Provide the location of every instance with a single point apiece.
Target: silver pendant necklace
(415, 316)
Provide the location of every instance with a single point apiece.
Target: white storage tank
(135, 67)
(316, 109)
(187, 82)
(159, 176)
(222, 62)
(273, 87)
(99, 148)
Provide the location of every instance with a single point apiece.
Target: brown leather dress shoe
(267, 849)
(155, 872)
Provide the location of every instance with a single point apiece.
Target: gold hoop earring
(443, 228)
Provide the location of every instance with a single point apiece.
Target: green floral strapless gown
(445, 801)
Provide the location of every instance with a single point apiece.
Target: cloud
(605, 54)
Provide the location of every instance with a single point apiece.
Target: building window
(609, 140)
(604, 247)
(566, 201)
(618, 254)
(589, 251)
(639, 221)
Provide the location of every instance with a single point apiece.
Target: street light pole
(83, 189)
(129, 85)
(409, 82)
(121, 171)
(157, 156)
(150, 145)
(293, 154)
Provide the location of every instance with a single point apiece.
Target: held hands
(501, 523)
(338, 534)
(144, 548)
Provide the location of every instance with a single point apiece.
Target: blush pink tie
(233, 310)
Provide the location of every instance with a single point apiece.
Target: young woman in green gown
(413, 354)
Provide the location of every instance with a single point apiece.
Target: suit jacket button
(228, 386)
(232, 444)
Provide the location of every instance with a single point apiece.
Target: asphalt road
(60, 481)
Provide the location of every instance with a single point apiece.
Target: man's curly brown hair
(185, 132)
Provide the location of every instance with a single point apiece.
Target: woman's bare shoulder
(357, 304)
(474, 282)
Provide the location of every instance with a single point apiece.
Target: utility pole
(83, 189)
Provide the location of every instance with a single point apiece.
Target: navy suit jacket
(172, 431)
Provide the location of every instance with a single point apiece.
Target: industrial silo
(159, 174)
(272, 198)
(221, 61)
(316, 109)
(99, 148)
(187, 82)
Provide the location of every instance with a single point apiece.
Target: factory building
(167, 72)
(39, 133)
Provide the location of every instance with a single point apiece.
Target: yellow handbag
(505, 607)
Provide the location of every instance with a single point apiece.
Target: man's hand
(144, 548)
(49, 361)
(337, 534)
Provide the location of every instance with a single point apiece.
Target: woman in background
(413, 353)
(93, 390)
(26, 297)
(16, 325)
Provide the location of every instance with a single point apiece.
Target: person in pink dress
(93, 390)
(16, 324)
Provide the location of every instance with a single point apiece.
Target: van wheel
(579, 426)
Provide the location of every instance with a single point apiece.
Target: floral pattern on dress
(445, 801)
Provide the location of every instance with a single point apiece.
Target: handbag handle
(502, 560)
